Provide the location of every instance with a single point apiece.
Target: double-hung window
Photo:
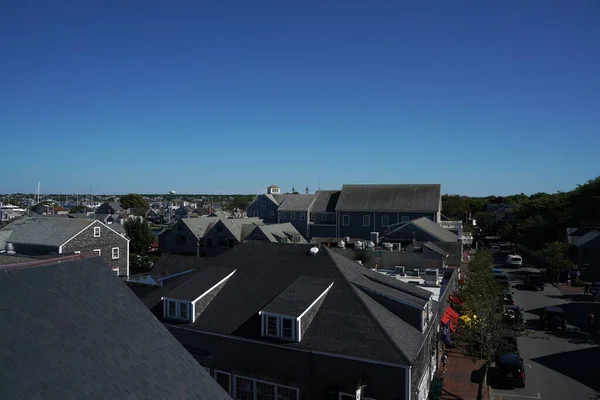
(346, 220)
(96, 231)
(115, 253)
(366, 220)
(385, 220)
(272, 326)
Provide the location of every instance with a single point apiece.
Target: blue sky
(232, 96)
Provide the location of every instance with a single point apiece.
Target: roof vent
(313, 251)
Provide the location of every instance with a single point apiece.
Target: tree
(454, 206)
(556, 257)
(77, 209)
(482, 327)
(139, 234)
(136, 201)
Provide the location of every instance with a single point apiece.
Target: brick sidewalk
(461, 380)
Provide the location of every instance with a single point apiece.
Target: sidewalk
(573, 293)
(461, 381)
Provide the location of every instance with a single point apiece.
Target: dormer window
(288, 316)
(189, 300)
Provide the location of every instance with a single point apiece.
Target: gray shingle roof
(422, 197)
(279, 198)
(284, 230)
(581, 240)
(199, 284)
(297, 202)
(74, 331)
(296, 298)
(433, 229)
(436, 249)
(325, 201)
(199, 226)
(236, 226)
(48, 231)
(347, 323)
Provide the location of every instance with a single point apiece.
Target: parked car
(553, 318)
(513, 317)
(507, 298)
(534, 281)
(514, 260)
(496, 249)
(496, 271)
(510, 370)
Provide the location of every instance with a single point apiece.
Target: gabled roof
(427, 225)
(283, 230)
(198, 226)
(199, 284)
(236, 226)
(588, 237)
(325, 201)
(279, 198)
(70, 339)
(296, 202)
(297, 297)
(48, 231)
(422, 197)
(436, 249)
(348, 322)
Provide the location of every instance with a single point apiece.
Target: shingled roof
(73, 330)
(373, 198)
(325, 201)
(349, 322)
(296, 202)
(48, 231)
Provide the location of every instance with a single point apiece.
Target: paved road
(558, 366)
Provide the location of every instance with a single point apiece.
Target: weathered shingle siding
(310, 314)
(316, 376)
(357, 230)
(168, 243)
(220, 241)
(431, 255)
(85, 242)
(318, 218)
(258, 235)
(426, 362)
(256, 209)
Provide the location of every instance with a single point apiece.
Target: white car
(514, 260)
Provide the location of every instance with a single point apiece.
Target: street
(558, 365)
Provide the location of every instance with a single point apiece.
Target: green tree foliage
(136, 201)
(77, 209)
(239, 201)
(556, 257)
(139, 234)
(483, 335)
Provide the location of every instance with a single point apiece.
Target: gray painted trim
(408, 382)
(390, 211)
(384, 363)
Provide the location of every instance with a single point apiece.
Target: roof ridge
(356, 291)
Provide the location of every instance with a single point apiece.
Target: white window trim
(255, 213)
(385, 220)
(96, 231)
(178, 305)
(345, 220)
(218, 371)
(97, 251)
(368, 219)
(112, 252)
(254, 381)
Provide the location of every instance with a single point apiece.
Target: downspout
(408, 382)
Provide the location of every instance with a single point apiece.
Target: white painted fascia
(214, 287)
(407, 375)
(60, 248)
(315, 302)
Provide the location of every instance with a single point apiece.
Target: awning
(450, 317)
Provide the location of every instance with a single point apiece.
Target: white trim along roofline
(212, 288)
(89, 225)
(324, 353)
(314, 302)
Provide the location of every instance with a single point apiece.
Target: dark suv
(534, 281)
(553, 318)
(510, 370)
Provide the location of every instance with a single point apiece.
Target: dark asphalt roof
(422, 197)
(296, 298)
(73, 330)
(348, 322)
(325, 201)
(199, 284)
(435, 249)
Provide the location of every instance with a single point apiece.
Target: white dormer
(188, 301)
(288, 316)
(273, 190)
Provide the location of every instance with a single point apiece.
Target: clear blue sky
(484, 97)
